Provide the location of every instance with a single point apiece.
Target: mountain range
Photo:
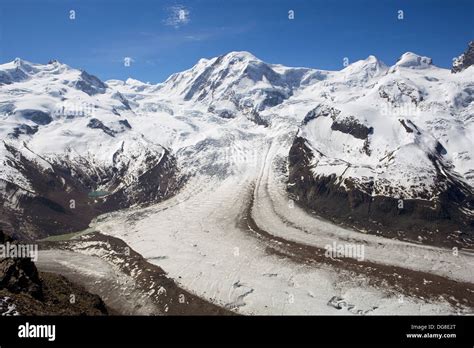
(386, 150)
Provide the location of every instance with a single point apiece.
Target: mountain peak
(21, 63)
(134, 82)
(372, 58)
(413, 61)
(371, 61)
(16, 71)
(363, 70)
(28, 68)
(241, 55)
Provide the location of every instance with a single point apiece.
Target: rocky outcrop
(97, 124)
(39, 117)
(18, 274)
(350, 125)
(23, 129)
(90, 84)
(125, 123)
(465, 60)
(321, 110)
(256, 118)
(25, 291)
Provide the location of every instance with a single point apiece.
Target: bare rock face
(97, 124)
(90, 84)
(19, 274)
(30, 292)
(465, 60)
(350, 125)
(23, 129)
(39, 117)
(5, 238)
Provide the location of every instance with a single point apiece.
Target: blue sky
(160, 42)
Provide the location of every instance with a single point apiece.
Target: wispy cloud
(195, 37)
(177, 16)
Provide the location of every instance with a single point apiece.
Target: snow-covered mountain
(359, 140)
(393, 156)
(238, 80)
(68, 150)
